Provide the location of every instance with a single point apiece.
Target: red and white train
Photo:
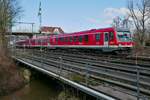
(106, 39)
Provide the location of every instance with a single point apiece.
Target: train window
(111, 35)
(75, 38)
(80, 38)
(42, 41)
(56, 39)
(65, 39)
(86, 38)
(97, 37)
(71, 39)
(39, 41)
(35, 41)
(61, 39)
(45, 40)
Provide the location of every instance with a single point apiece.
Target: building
(51, 30)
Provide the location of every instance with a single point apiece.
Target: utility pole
(40, 17)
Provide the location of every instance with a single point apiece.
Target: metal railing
(60, 69)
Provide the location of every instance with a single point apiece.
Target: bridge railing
(59, 71)
(24, 27)
(82, 74)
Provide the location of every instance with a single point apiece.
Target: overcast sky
(73, 15)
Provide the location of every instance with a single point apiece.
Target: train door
(49, 41)
(106, 39)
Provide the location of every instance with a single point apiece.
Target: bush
(10, 77)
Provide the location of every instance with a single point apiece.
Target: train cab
(124, 39)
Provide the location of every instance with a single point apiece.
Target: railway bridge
(103, 79)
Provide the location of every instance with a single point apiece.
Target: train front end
(124, 39)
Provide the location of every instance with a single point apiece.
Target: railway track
(119, 67)
(106, 58)
(121, 75)
(124, 59)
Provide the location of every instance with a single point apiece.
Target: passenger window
(61, 39)
(111, 35)
(76, 38)
(80, 38)
(97, 37)
(39, 41)
(36, 41)
(86, 38)
(65, 39)
(33, 41)
(71, 39)
(46, 40)
(68, 39)
(43, 40)
(56, 39)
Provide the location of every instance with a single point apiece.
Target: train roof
(87, 31)
(122, 30)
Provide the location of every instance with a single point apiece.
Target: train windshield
(124, 36)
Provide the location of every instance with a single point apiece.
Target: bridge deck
(45, 69)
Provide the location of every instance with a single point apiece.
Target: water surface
(38, 89)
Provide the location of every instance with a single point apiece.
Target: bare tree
(10, 79)
(126, 22)
(139, 11)
(116, 22)
(119, 22)
(9, 10)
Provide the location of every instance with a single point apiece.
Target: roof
(46, 29)
(123, 30)
(86, 31)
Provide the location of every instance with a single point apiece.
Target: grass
(76, 77)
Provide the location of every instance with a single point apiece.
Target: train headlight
(119, 45)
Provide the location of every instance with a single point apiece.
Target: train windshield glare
(124, 36)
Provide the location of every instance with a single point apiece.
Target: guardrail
(60, 77)
(58, 67)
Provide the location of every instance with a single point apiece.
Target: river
(38, 89)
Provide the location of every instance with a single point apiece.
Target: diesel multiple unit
(106, 39)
